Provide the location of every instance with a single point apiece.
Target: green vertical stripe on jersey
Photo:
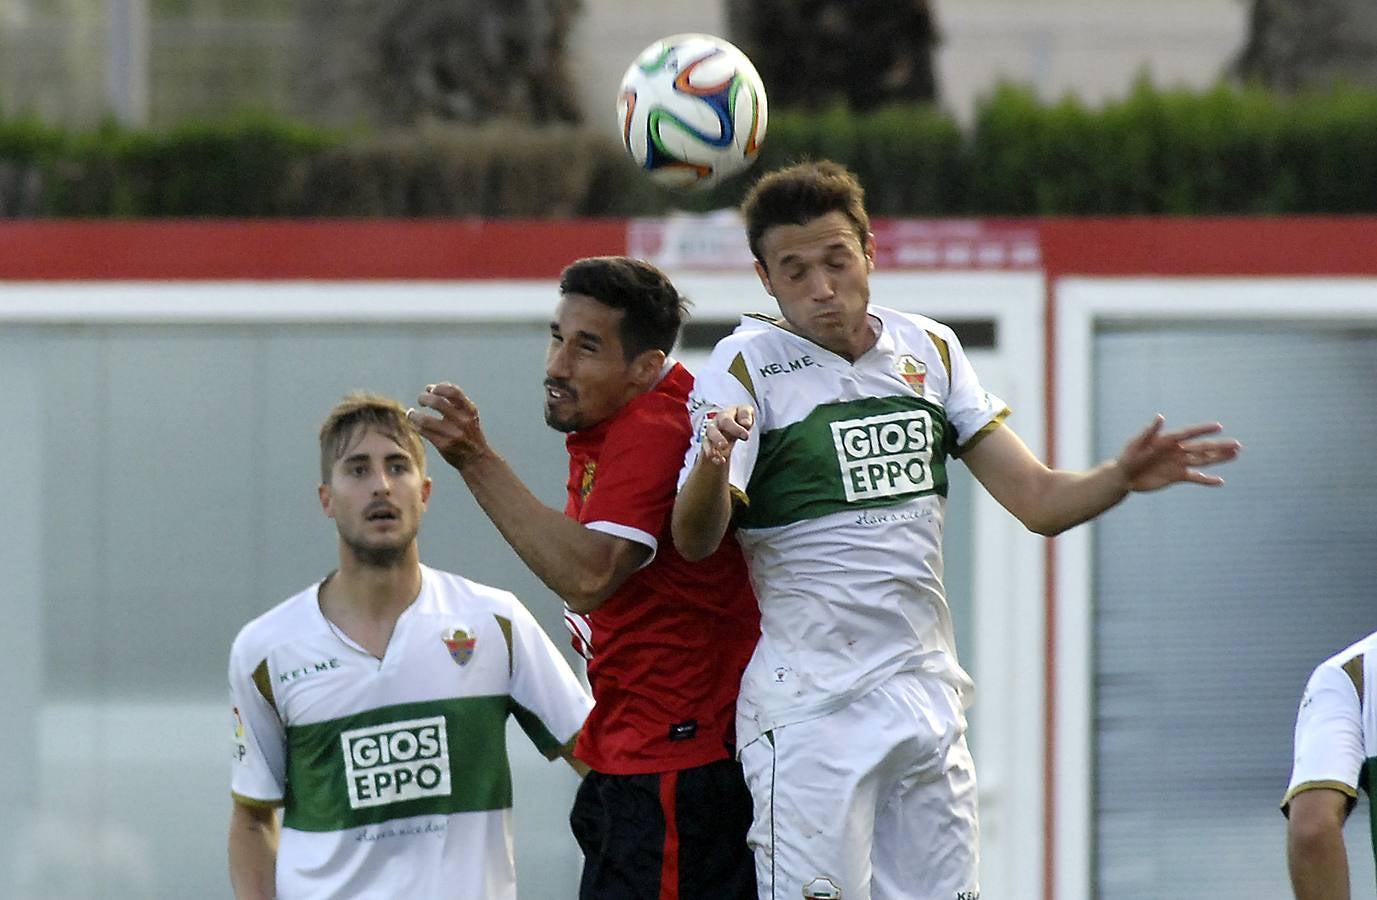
(544, 740)
(318, 796)
(1354, 669)
(803, 470)
(1365, 777)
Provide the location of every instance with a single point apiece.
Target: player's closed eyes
(587, 347)
(833, 265)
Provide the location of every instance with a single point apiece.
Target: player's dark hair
(799, 194)
(360, 410)
(654, 308)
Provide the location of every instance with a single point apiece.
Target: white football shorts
(876, 801)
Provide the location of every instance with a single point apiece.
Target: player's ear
(323, 491)
(425, 490)
(645, 368)
(764, 276)
(869, 249)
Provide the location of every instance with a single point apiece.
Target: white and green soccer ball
(692, 111)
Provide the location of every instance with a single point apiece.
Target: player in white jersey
(826, 434)
(372, 706)
(1336, 752)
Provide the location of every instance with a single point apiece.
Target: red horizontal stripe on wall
(294, 249)
(1320, 245)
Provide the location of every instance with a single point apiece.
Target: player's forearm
(1066, 499)
(1319, 863)
(571, 560)
(252, 870)
(702, 511)
(252, 859)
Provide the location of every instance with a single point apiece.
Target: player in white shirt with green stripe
(1335, 755)
(372, 706)
(825, 436)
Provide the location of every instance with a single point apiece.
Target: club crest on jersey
(460, 644)
(912, 370)
(586, 483)
(238, 725)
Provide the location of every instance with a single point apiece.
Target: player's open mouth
(381, 514)
(556, 394)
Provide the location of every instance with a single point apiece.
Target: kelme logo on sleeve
(887, 455)
(397, 761)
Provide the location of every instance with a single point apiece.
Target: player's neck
(364, 600)
(851, 346)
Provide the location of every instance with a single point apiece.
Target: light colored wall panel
(1213, 606)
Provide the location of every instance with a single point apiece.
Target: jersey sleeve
(633, 488)
(550, 702)
(259, 754)
(724, 381)
(1329, 736)
(973, 411)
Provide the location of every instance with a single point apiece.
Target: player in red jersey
(664, 812)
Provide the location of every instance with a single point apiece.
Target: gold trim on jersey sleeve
(742, 374)
(1347, 790)
(1354, 670)
(263, 681)
(506, 626)
(982, 433)
(256, 803)
(739, 495)
(943, 351)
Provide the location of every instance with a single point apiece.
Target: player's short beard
(563, 426)
(389, 557)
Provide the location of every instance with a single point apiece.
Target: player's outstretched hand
(729, 425)
(455, 431)
(1154, 458)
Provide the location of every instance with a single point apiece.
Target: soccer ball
(692, 111)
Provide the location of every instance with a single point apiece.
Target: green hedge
(1223, 151)
(1154, 152)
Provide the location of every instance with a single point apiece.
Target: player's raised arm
(703, 509)
(579, 564)
(1049, 501)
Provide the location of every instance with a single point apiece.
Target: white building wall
(1094, 48)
